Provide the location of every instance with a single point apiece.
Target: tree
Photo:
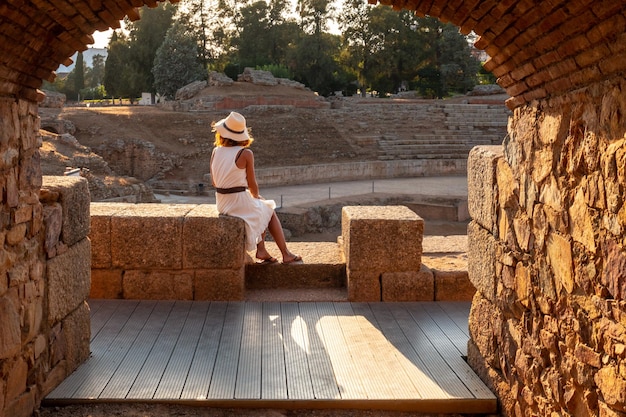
(116, 67)
(79, 75)
(176, 63)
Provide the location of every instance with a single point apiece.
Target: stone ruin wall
(546, 250)
(45, 332)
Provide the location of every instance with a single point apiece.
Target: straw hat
(233, 127)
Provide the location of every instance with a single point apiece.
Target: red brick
(593, 55)
(506, 37)
(553, 20)
(514, 102)
(558, 85)
(523, 71)
(538, 78)
(563, 68)
(536, 94)
(517, 89)
(573, 46)
(506, 81)
(607, 29)
(619, 45)
(585, 75)
(577, 25)
(603, 9)
(613, 64)
(546, 59)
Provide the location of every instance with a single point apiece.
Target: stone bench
(166, 251)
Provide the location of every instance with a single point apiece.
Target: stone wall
(547, 256)
(44, 334)
(166, 251)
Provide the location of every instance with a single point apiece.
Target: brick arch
(537, 48)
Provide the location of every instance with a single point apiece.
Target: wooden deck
(394, 356)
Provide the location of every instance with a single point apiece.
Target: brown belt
(231, 190)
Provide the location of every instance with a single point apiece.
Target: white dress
(255, 212)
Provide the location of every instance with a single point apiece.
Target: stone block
(363, 286)
(453, 286)
(158, 285)
(408, 286)
(219, 285)
(482, 255)
(106, 283)
(382, 238)
(75, 201)
(76, 330)
(482, 186)
(211, 240)
(69, 280)
(100, 232)
(148, 236)
(10, 331)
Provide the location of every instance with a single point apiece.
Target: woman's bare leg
(276, 230)
(261, 252)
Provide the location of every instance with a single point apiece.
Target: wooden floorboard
(397, 356)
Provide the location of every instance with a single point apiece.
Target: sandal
(296, 258)
(267, 261)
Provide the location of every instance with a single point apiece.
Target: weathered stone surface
(482, 255)
(382, 239)
(10, 333)
(100, 232)
(363, 286)
(212, 241)
(53, 99)
(69, 280)
(612, 386)
(53, 221)
(559, 255)
(158, 285)
(482, 192)
(219, 79)
(408, 286)
(190, 90)
(106, 283)
(453, 285)
(614, 270)
(259, 77)
(219, 285)
(76, 334)
(75, 200)
(135, 242)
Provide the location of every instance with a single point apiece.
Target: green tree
(79, 75)
(177, 63)
(117, 68)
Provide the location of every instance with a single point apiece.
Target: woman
(237, 192)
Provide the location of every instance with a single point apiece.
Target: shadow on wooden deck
(289, 355)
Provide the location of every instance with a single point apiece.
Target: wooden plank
(273, 374)
(448, 326)
(120, 384)
(437, 366)
(296, 344)
(384, 355)
(149, 377)
(225, 372)
(199, 378)
(421, 377)
(175, 375)
(372, 376)
(459, 312)
(248, 384)
(112, 357)
(99, 344)
(346, 372)
(320, 367)
(449, 352)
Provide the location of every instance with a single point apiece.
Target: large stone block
(75, 199)
(100, 232)
(211, 240)
(482, 190)
(69, 280)
(106, 283)
(219, 285)
(76, 334)
(158, 285)
(382, 238)
(408, 286)
(148, 236)
(453, 286)
(481, 253)
(363, 286)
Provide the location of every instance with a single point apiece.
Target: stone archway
(547, 242)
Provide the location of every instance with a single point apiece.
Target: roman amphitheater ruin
(547, 241)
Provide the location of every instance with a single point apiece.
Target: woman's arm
(246, 161)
